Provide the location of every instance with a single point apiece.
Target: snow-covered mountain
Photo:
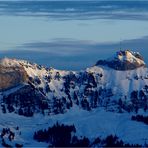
(122, 77)
(113, 86)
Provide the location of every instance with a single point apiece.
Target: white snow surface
(130, 57)
(123, 82)
(9, 62)
(95, 123)
(127, 55)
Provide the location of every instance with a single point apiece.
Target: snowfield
(123, 81)
(95, 123)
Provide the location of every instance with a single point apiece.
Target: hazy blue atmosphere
(72, 35)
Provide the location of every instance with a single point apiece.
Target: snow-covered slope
(97, 94)
(97, 123)
(100, 85)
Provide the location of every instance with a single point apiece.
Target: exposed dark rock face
(118, 65)
(25, 101)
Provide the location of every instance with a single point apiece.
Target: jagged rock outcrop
(124, 60)
(11, 74)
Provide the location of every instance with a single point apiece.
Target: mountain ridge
(52, 91)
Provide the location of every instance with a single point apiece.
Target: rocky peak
(124, 60)
(6, 62)
(132, 57)
(11, 73)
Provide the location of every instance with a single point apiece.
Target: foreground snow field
(92, 124)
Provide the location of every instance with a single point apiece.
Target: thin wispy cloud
(77, 9)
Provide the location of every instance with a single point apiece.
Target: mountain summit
(124, 60)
